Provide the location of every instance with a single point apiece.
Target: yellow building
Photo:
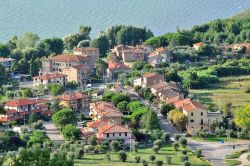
(78, 74)
(76, 101)
(196, 113)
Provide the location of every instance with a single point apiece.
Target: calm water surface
(51, 18)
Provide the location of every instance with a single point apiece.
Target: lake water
(50, 18)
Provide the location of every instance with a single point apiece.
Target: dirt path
(52, 132)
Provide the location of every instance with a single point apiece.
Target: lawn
(232, 162)
(214, 139)
(235, 154)
(229, 89)
(100, 159)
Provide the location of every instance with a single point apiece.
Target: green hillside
(243, 15)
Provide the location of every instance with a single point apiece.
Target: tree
(178, 118)
(33, 117)
(27, 92)
(3, 75)
(198, 152)
(152, 158)
(83, 43)
(122, 106)
(165, 108)
(63, 117)
(135, 146)
(168, 159)
(92, 140)
(159, 163)
(227, 110)
(242, 117)
(175, 146)
(117, 98)
(70, 132)
(122, 155)
(137, 159)
(101, 42)
(107, 96)
(4, 50)
(156, 149)
(55, 45)
(28, 40)
(55, 105)
(101, 68)
(37, 137)
(151, 121)
(114, 146)
(55, 89)
(183, 141)
(165, 137)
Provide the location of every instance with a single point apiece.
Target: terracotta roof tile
(113, 65)
(20, 102)
(113, 129)
(69, 57)
(199, 44)
(72, 96)
(50, 76)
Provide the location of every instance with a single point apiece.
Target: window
(126, 134)
(202, 121)
(192, 121)
(120, 134)
(201, 113)
(192, 114)
(107, 135)
(201, 128)
(113, 134)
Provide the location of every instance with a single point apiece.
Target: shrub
(135, 146)
(248, 89)
(152, 158)
(79, 152)
(165, 137)
(89, 148)
(168, 159)
(158, 143)
(175, 146)
(159, 163)
(122, 155)
(156, 149)
(186, 163)
(92, 140)
(108, 157)
(114, 146)
(144, 163)
(198, 152)
(177, 136)
(184, 158)
(137, 159)
(184, 151)
(183, 141)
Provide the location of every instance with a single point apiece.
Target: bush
(89, 148)
(156, 149)
(198, 153)
(184, 158)
(108, 157)
(176, 137)
(158, 143)
(79, 152)
(152, 158)
(135, 146)
(183, 141)
(92, 140)
(114, 146)
(248, 89)
(122, 155)
(165, 137)
(159, 163)
(137, 159)
(144, 163)
(70, 132)
(168, 159)
(184, 152)
(186, 163)
(175, 146)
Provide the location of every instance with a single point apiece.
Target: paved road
(216, 152)
(244, 160)
(52, 132)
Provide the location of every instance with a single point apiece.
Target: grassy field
(229, 89)
(232, 162)
(214, 139)
(100, 159)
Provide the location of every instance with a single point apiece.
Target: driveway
(216, 152)
(53, 132)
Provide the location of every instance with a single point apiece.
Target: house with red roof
(50, 78)
(79, 74)
(88, 52)
(115, 68)
(6, 62)
(76, 101)
(20, 109)
(198, 45)
(243, 46)
(101, 110)
(159, 55)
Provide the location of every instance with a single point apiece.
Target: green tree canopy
(64, 116)
(242, 117)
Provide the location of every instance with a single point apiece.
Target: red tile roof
(148, 75)
(82, 49)
(78, 67)
(242, 45)
(50, 76)
(188, 104)
(6, 59)
(199, 44)
(105, 109)
(20, 102)
(72, 96)
(115, 128)
(113, 65)
(98, 123)
(11, 111)
(69, 57)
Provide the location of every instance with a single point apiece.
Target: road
(216, 152)
(53, 132)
